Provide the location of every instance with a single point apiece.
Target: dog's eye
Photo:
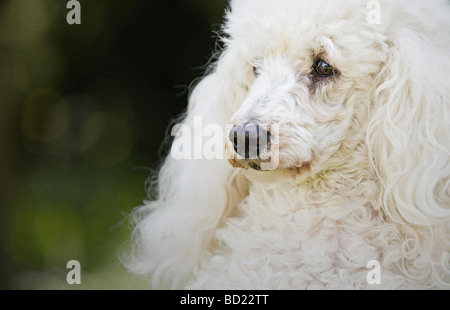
(323, 69)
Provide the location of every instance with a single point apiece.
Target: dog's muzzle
(251, 142)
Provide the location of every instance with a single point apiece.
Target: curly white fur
(364, 156)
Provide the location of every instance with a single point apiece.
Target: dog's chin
(255, 174)
(265, 171)
(268, 176)
(277, 175)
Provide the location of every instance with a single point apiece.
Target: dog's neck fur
(331, 215)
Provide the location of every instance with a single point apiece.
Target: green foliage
(81, 108)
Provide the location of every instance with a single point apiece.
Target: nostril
(268, 137)
(235, 136)
(263, 140)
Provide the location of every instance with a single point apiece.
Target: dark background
(83, 112)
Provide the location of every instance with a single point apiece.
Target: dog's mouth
(258, 165)
(257, 148)
(278, 175)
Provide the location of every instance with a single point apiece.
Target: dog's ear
(193, 195)
(409, 131)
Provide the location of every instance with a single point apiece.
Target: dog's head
(319, 86)
(309, 71)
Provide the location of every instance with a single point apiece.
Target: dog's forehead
(296, 25)
(268, 14)
(303, 30)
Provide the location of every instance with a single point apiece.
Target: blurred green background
(83, 112)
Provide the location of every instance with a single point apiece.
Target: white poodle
(354, 97)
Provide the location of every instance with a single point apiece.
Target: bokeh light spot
(29, 19)
(45, 116)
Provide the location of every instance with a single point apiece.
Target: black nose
(249, 140)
